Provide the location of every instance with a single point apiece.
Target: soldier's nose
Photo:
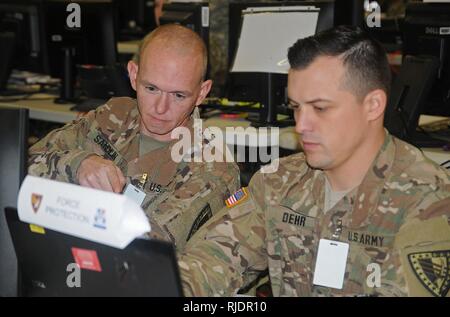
(162, 103)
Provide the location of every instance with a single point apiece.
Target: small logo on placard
(36, 202)
(100, 219)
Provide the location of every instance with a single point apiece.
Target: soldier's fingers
(105, 180)
(121, 177)
(91, 180)
(114, 180)
(83, 182)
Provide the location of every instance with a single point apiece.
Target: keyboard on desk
(438, 131)
(441, 134)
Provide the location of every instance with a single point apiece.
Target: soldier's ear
(204, 90)
(132, 73)
(375, 103)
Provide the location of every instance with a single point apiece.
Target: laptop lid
(46, 261)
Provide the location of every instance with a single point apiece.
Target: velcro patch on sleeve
(238, 197)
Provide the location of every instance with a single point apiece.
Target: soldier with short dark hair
(358, 213)
(128, 142)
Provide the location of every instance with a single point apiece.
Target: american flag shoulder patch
(238, 197)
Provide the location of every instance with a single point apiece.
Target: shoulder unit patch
(238, 197)
(433, 271)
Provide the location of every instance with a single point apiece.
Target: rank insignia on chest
(433, 271)
(238, 197)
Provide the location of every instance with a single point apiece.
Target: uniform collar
(366, 193)
(160, 160)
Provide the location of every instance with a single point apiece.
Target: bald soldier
(358, 213)
(128, 141)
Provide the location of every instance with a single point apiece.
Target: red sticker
(87, 259)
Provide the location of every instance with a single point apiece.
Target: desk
(434, 154)
(129, 47)
(42, 107)
(289, 138)
(46, 110)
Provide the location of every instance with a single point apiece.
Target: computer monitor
(24, 19)
(7, 42)
(269, 89)
(94, 42)
(326, 18)
(426, 31)
(409, 91)
(349, 12)
(48, 43)
(194, 15)
(13, 166)
(136, 18)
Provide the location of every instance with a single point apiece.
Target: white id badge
(134, 193)
(330, 263)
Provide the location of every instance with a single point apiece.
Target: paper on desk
(266, 37)
(91, 214)
(29, 78)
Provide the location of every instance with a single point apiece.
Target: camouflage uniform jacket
(180, 196)
(397, 219)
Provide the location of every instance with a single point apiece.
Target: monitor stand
(67, 94)
(269, 108)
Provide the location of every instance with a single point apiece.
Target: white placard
(266, 36)
(91, 214)
(330, 263)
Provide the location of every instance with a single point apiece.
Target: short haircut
(365, 61)
(179, 38)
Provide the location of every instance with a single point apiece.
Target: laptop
(46, 262)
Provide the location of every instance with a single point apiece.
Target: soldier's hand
(96, 172)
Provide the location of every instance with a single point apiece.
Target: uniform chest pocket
(294, 246)
(371, 265)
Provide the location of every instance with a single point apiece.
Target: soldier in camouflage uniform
(104, 149)
(355, 183)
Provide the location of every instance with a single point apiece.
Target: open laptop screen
(46, 259)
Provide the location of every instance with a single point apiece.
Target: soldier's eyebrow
(316, 100)
(184, 92)
(292, 102)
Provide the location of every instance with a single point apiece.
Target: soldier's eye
(179, 96)
(319, 109)
(152, 89)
